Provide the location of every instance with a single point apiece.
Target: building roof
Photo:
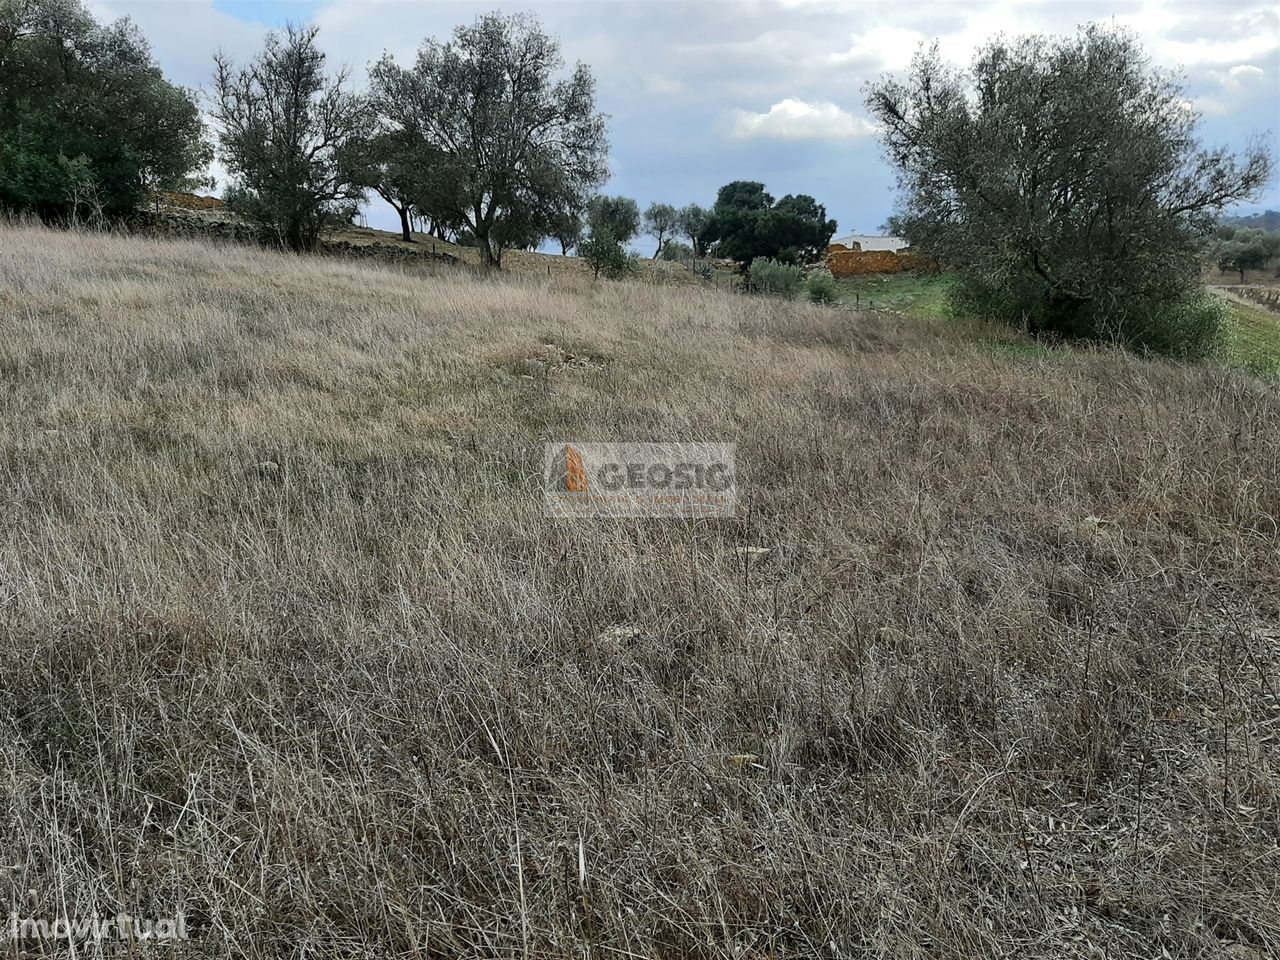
(868, 242)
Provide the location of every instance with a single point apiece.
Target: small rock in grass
(620, 633)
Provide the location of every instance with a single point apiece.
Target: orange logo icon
(575, 471)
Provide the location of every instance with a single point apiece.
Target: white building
(867, 242)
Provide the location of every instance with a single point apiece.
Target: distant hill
(1269, 221)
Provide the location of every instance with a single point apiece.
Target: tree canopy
(747, 223)
(691, 221)
(289, 135)
(618, 217)
(1247, 249)
(514, 144)
(86, 117)
(1062, 177)
(661, 220)
(391, 165)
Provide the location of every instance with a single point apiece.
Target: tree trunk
(405, 233)
(487, 259)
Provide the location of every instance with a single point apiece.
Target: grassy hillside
(290, 645)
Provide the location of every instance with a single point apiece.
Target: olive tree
(389, 164)
(619, 217)
(566, 228)
(516, 143)
(289, 137)
(1063, 179)
(1246, 250)
(691, 221)
(661, 220)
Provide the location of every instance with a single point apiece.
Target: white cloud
(185, 35)
(1244, 72)
(879, 47)
(1232, 87)
(793, 119)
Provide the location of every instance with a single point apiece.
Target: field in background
(988, 662)
(1252, 338)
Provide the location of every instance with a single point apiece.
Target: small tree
(618, 217)
(821, 287)
(604, 254)
(677, 251)
(517, 143)
(1062, 178)
(1246, 250)
(772, 276)
(691, 221)
(661, 221)
(288, 136)
(390, 164)
(1271, 245)
(566, 229)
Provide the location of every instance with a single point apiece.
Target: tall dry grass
(287, 643)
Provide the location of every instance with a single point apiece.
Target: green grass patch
(1253, 339)
(916, 294)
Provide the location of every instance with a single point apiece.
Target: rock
(620, 633)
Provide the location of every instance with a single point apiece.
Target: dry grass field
(288, 644)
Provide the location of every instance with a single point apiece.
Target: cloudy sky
(701, 93)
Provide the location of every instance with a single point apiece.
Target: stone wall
(852, 263)
(183, 226)
(175, 224)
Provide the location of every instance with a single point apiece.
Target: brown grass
(289, 644)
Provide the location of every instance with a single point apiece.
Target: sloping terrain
(987, 663)
(192, 216)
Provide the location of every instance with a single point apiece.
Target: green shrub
(1189, 329)
(821, 287)
(1192, 330)
(770, 276)
(605, 255)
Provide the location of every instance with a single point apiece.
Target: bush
(821, 287)
(1192, 330)
(770, 276)
(1188, 329)
(605, 255)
